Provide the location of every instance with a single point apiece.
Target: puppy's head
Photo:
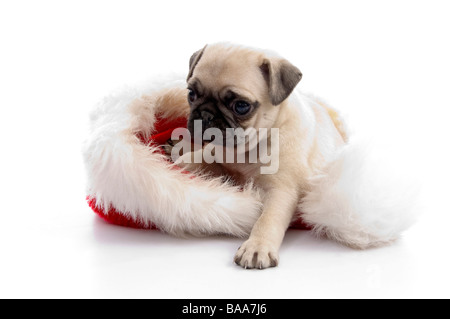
(237, 87)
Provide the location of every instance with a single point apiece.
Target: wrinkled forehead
(238, 70)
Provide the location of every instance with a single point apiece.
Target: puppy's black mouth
(202, 119)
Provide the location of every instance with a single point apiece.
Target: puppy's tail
(362, 199)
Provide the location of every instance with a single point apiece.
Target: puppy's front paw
(256, 254)
(168, 147)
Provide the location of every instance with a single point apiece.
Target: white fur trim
(137, 181)
(355, 200)
(361, 199)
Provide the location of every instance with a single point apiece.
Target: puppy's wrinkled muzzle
(207, 117)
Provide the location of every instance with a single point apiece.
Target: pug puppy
(232, 86)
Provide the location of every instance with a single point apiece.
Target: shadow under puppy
(237, 87)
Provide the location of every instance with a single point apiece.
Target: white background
(385, 64)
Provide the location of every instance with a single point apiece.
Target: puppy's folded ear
(281, 77)
(194, 60)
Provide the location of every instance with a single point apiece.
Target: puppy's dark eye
(192, 96)
(241, 107)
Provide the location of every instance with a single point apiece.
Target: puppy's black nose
(207, 117)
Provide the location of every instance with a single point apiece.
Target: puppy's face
(236, 87)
